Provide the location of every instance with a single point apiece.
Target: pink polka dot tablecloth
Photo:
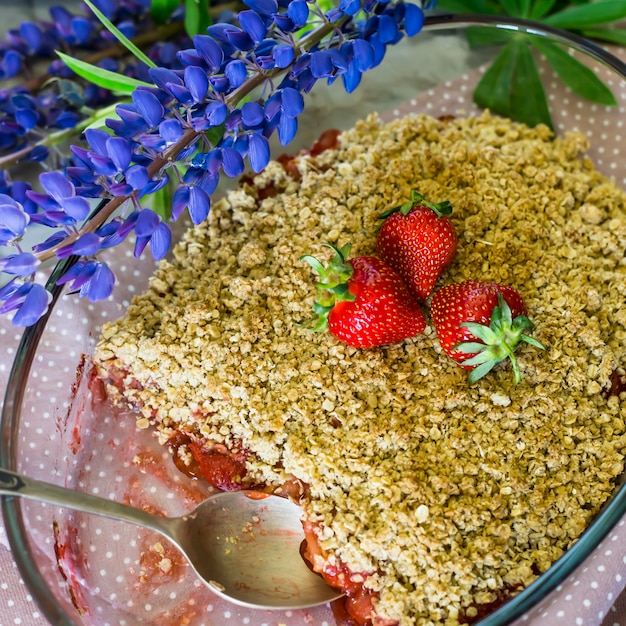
(593, 594)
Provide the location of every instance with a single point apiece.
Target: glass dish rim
(514, 608)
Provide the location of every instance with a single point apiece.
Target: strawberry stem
(332, 287)
(417, 199)
(498, 341)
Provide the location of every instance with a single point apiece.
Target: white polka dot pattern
(116, 574)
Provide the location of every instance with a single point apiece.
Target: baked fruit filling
(430, 498)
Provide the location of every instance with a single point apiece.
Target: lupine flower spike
(192, 120)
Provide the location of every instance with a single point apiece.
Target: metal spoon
(243, 544)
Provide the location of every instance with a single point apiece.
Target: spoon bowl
(244, 545)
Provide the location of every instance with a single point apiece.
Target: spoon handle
(19, 485)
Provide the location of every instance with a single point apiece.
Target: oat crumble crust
(446, 492)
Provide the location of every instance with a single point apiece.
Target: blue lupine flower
(54, 240)
(350, 7)
(30, 300)
(196, 82)
(283, 55)
(171, 131)
(119, 152)
(298, 12)
(413, 19)
(97, 140)
(363, 55)
(287, 128)
(130, 123)
(193, 198)
(38, 154)
(93, 279)
(148, 106)
(81, 29)
(86, 245)
(151, 230)
(236, 73)
(210, 51)
(11, 64)
(32, 34)
(291, 102)
(22, 264)
(181, 93)
(253, 25)
(283, 22)
(26, 118)
(252, 114)
(216, 113)
(229, 159)
(205, 180)
(13, 219)
(220, 84)
(62, 199)
(258, 152)
(161, 77)
(263, 7)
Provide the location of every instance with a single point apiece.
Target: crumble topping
(444, 494)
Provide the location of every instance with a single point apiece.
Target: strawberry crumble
(428, 499)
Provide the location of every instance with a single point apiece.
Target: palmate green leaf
(486, 36)
(540, 8)
(512, 86)
(524, 7)
(470, 6)
(493, 89)
(610, 35)
(577, 76)
(161, 10)
(588, 15)
(127, 43)
(197, 17)
(512, 7)
(118, 83)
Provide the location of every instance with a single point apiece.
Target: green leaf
(161, 10)
(162, 202)
(541, 8)
(493, 90)
(486, 36)
(586, 15)
(610, 35)
(528, 101)
(118, 83)
(512, 7)
(197, 17)
(576, 75)
(127, 43)
(524, 8)
(215, 134)
(512, 87)
(470, 6)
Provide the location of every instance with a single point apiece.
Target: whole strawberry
(480, 324)
(363, 302)
(419, 241)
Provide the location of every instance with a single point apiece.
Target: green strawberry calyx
(332, 286)
(499, 341)
(440, 208)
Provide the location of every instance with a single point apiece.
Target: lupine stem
(171, 153)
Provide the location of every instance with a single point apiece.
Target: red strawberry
(419, 241)
(363, 302)
(480, 324)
